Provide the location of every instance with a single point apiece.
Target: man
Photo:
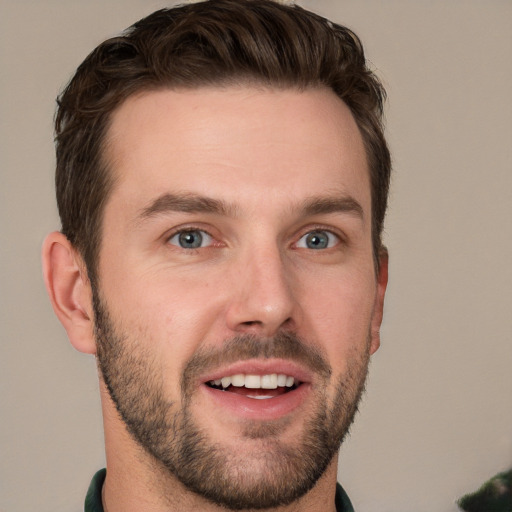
(222, 180)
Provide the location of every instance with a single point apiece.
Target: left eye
(318, 239)
(191, 239)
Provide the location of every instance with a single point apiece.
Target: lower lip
(258, 409)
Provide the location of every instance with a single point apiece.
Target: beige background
(437, 419)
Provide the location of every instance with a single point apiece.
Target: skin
(264, 154)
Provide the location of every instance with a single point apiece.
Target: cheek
(167, 313)
(339, 312)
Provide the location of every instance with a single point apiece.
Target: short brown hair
(217, 42)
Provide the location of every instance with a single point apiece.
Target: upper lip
(260, 367)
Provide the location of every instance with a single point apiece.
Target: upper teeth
(271, 381)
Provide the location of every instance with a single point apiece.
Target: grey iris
(190, 239)
(317, 240)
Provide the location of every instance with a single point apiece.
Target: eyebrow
(337, 204)
(192, 203)
(187, 203)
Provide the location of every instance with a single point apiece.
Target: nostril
(265, 328)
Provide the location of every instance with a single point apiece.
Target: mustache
(284, 345)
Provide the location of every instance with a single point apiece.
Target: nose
(263, 295)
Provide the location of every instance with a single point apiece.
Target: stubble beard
(275, 473)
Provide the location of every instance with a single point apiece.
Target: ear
(69, 289)
(378, 307)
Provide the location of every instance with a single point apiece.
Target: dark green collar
(93, 501)
(342, 501)
(93, 498)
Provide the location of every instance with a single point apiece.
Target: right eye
(191, 239)
(318, 239)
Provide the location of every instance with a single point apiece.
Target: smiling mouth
(259, 387)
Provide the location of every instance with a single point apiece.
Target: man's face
(237, 292)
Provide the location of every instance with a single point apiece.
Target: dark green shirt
(93, 499)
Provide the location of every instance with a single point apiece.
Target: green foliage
(494, 496)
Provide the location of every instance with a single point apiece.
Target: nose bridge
(263, 299)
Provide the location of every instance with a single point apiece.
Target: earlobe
(378, 308)
(69, 289)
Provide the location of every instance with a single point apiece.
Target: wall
(437, 418)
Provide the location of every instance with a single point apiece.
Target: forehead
(235, 144)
